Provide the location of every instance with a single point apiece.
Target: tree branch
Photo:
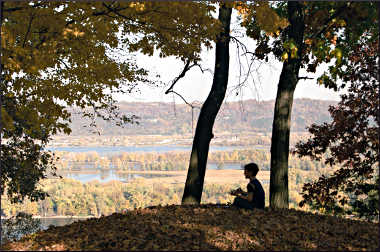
(203, 70)
(28, 31)
(245, 49)
(139, 22)
(22, 8)
(13, 9)
(67, 67)
(305, 78)
(183, 73)
(249, 62)
(180, 76)
(326, 24)
(191, 105)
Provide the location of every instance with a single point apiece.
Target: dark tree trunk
(279, 194)
(378, 20)
(1, 94)
(203, 132)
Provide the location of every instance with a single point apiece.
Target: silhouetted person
(255, 196)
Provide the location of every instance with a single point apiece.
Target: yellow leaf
(284, 56)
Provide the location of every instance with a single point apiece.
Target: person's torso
(258, 193)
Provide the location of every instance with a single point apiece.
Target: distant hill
(168, 118)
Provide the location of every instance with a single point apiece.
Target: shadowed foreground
(206, 227)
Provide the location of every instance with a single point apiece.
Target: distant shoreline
(64, 217)
(173, 147)
(56, 217)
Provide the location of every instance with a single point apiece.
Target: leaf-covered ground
(206, 227)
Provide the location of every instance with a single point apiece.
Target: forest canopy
(61, 54)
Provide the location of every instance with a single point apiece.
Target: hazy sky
(195, 86)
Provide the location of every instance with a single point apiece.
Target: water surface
(107, 150)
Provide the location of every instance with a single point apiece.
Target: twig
(67, 67)
(204, 70)
(245, 49)
(28, 31)
(305, 78)
(190, 104)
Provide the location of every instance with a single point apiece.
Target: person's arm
(248, 196)
(236, 192)
(241, 194)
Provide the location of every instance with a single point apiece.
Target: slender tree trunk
(1, 98)
(203, 132)
(378, 73)
(378, 61)
(279, 194)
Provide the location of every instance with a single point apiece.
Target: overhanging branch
(180, 76)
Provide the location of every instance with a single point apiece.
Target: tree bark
(279, 193)
(203, 132)
(1, 94)
(378, 20)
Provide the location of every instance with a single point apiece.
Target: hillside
(168, 119)
(207, 227)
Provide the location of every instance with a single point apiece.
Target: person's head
(251, 170)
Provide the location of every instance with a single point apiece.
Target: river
(103, 176)
(51, 221)
(91, 174)
(112, 150)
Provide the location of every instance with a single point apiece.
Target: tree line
(69, 197)
(223, 139)
(177, 161)
(72, 198)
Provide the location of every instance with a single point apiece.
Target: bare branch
(23, 8)
(181, 75)
(67, 67)
(28, 30)
(305, 78)
(245, 49)
(190, 104)
(203, 70)
(249, 62)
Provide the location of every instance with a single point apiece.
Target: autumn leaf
(213, 227)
